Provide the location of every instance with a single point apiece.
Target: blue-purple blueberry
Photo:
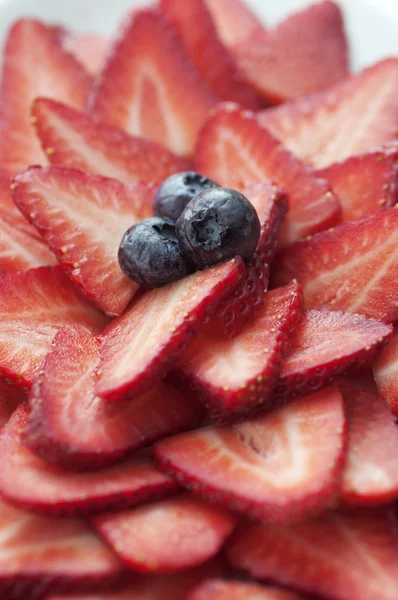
(216, 225)
(176, 191)
(150, 255)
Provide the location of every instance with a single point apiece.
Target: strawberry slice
(34, 305)
(353, 268)
(27, 481)
(218, 589)
(139, 347)
(236, 151)
(371, 472)
(325, 346)
(20, 246)
(206, 50)
(282, 67)
(237, 376)
(49, 70)
(234, 20)
(40, 555)
(385, 370)
(166, 536)
(155, 586)
(83, 218)
(90, 50)
(62, 401)
(352, 117)
(149, 67)
(366, 183)
(77, 140)
(278, 467)
(350, 556)
(237, 311)
(10, 399)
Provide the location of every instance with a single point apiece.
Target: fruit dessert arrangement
(199, 286)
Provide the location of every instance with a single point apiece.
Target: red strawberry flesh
(140, 74)
(366, 183)
(155, 586)
(79, 141)
(210, 56)
(217, 589)
(233, 19)
(282, 66)
(63, 402)
(34, 305)
(237, 376)
(49, 70)
(41, 555)
(385, 370)
(278, 467)
(236, 151)
(29, 482)
(138, 348)
(352, 117)
(353, 268)
(10, 399)
(327, 345)
(166, 536)
(371, 472)
(83, 219)
(350, 556)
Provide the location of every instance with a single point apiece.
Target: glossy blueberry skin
(149, 254)
(218, 224)
(176, 191)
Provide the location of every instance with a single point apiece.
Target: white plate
(372, 25)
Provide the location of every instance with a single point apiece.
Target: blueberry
(149, 253)
(176, 191)
(216, 225)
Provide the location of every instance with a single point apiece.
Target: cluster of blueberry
(197, 225)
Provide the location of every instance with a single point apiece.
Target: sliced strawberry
(174, 586)
(325, 346)
(353, 268)
(78, 141)
(41, 555)
(234, 20)
(90, 50)
(27, 481)
(166, 536)
(140, 346)
(282, 66)
(20, 246)
(208, 53)
(63, 402)
(10, 399)
(150, 87)
(352, 117)
(83, 218)
(385, 370)
(237, 376)
(218, 589)
(34, 305)
(236, 151)
(48, 70)
(278, 467)
(366, 183)
(371, 472)
(350, 556)
(237, 311)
